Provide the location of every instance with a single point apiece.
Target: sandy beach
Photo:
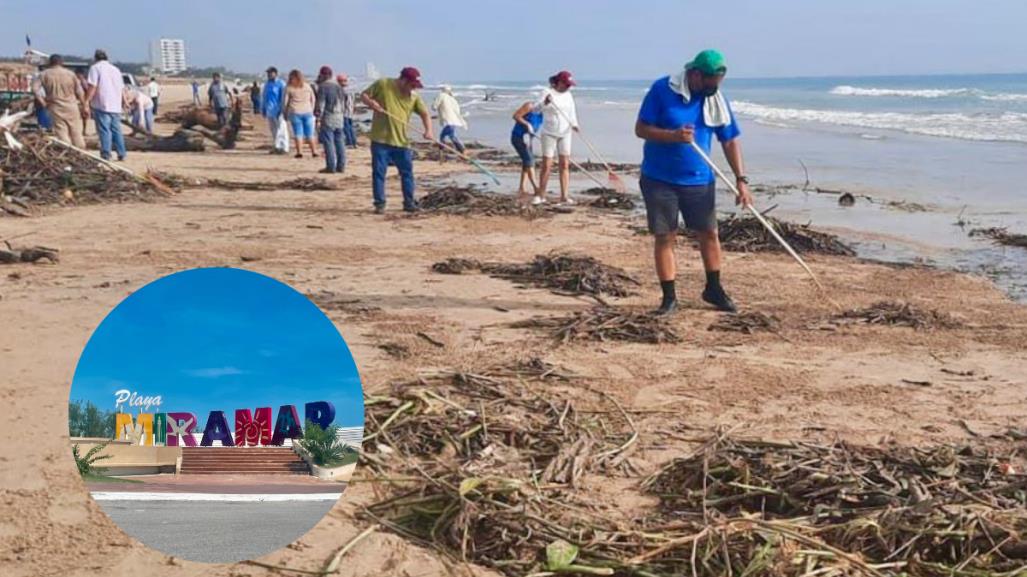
(811, 379)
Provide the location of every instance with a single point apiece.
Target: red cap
(412, 75)
(326, 71)
(565, 76)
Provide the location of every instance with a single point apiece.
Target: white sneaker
(535, 201)
(568, 201)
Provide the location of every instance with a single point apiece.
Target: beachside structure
(167, 55)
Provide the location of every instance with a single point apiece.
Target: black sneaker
(379, 209)
(666, 308)
(719, 299)
(411, 208)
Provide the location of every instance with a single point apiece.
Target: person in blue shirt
(527, 122)
(677, 110)
(272, 105)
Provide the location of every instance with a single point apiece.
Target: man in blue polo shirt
(678, 109)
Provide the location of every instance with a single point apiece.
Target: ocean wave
(846, 90)
(1003, 127)
(1005, 97)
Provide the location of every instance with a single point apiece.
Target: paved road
(216, 532)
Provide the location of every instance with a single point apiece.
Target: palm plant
(323, 444)
(85, 462)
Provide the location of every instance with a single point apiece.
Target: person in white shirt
(561, 119)
(154, 90)
(141, 106)
(448, 109)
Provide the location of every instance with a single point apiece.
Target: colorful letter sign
(217, 430)
(321, 413)
(287, 426)
(253, 430)
(180, 426)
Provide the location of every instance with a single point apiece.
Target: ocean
(954, 145)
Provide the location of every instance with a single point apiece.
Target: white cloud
(214, 372)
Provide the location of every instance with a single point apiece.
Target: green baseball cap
(709, 62)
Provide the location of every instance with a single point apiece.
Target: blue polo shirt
(674, 162)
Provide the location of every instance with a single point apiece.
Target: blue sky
(220, 339)
(465, 40)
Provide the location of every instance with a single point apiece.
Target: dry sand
(853, 383)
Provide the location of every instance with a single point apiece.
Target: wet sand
(811, 380)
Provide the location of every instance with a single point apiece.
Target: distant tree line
(87, 420)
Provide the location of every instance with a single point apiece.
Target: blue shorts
(663, 202)
(523, 150)
(302, 125)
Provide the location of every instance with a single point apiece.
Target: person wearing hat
(560, 118)
(347, 112)
(448, 109)
(273, 109)
(393, 100)
(678, 109)
(106, 97)
(328, 109)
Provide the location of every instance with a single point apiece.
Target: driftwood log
(182, 140)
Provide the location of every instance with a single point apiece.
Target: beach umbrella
(770, 228)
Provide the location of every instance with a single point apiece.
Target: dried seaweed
(1001, 236)
(899, 314)
(606, 324)
(43, 173)
(746, 322)
(746, 234)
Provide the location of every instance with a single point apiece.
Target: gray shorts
(663, 202)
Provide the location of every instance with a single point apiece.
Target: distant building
(167, 55)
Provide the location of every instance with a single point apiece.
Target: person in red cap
(393, 100)
(560, 119)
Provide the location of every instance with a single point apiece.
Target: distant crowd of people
(680, 112)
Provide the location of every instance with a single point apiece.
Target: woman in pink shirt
(299, 109)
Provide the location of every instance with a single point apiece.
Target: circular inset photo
(215, 415)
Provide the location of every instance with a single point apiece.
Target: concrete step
(242, 460)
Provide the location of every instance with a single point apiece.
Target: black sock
(713, 279)
(669, 294)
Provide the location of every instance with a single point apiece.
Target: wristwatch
(743, 178)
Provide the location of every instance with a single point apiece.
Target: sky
(220, 339)
(486, 40)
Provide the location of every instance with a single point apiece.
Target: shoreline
(815, 378)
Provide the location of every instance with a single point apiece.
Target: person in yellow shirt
(393, 100)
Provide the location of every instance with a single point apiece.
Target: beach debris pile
(464, 200)
(43, 173)
(756, 507)
(605, 323)
(490, 465)
(894, 313)
(332, 301)
(300, 183)
(571, 274)
(12, 255)
(747, 322)
(607, 198)
(1001, 236)
(746, 234)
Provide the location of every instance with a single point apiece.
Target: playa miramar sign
(252, 428)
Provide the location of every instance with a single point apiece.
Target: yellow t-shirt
(388, 130)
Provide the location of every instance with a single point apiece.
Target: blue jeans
(146, 121)
(335, 150)
(256, 105)
(351, 135)
(382, 155)
(108, 127)
(449, 131)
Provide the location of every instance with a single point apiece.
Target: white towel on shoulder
(715, 110)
